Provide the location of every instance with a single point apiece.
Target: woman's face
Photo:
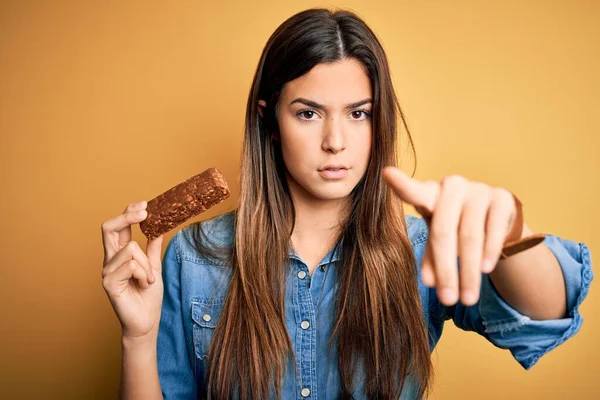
(325, 122)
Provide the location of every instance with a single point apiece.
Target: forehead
(332, 83)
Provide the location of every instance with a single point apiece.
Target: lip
(333, 166)
(334, 172)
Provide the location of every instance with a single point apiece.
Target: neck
(315, 218)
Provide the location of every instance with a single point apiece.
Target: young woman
(317, 285)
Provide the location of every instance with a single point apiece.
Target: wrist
(145, 342)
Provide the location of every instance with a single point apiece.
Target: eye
(359, 113)
(306, 113)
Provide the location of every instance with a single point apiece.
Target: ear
(261, 107)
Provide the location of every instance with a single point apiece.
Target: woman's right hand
(131, 277)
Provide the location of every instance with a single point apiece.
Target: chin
(323, 190)
(332, 193)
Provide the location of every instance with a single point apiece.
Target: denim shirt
(195, 289)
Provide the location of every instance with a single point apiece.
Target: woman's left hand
(467, 219)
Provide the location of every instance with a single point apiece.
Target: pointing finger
(422, 195)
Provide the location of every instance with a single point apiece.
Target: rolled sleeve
(174, 369)
(528, 340)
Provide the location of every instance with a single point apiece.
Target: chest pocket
(205, 314)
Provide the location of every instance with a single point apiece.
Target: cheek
(294, 153)
(364, 148)
(296, 148)
(289, 157)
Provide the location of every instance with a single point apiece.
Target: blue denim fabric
(195, 290)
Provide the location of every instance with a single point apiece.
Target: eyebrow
(318, 106)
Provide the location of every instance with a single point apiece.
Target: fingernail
(468, 296)
(427, 277)
(487, 265)
(447, 295)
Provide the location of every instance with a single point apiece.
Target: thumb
(422, 195)
(153, 250)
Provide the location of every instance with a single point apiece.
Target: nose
(334, 140)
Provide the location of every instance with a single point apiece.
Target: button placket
(305, 335)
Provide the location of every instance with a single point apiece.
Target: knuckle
(481, 189)
(440, 233)
(467, 282)
(104, 226)
(468, 235)
(132, 246)
(480, 186)
(469, 274)
(130, 217)
(495, 237)
(132, 265)
(502, 194)
(454, 179)
(431, 183)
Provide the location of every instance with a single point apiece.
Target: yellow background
(107, 103)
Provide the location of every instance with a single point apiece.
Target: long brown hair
(378, 274)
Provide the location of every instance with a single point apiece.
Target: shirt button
(305, 325)
(302, 274)
(305, 392)
(206, 317)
